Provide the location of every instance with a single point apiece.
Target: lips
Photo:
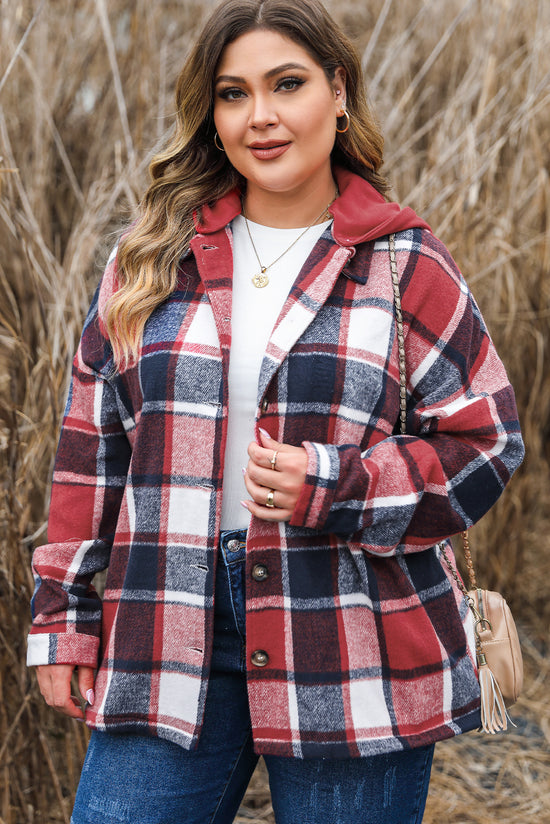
(269, 149)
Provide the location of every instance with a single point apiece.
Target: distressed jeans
(146, 780)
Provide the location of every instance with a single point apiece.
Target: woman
(245, 324)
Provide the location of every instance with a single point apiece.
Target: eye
(288, 84)
(231, 93)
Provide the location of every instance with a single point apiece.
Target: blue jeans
(145, 780)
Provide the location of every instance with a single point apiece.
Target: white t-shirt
(253, 316)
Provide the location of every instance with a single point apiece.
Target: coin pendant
(260, 280)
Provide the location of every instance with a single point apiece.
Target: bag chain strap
(403, 416)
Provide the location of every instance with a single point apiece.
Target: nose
(262, 112)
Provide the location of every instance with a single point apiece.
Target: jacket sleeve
(404, 493)
(89, 477)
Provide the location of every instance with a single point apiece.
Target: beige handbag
(499, 643)
(498, 651)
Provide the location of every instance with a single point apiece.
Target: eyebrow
(230, 78)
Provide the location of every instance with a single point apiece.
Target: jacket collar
(360, 213)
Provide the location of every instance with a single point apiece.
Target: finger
(262, 456)
(261, 476)
(273, 447)
(55, 685)
(72, 708)
(266, 514)
(86, 684)
(288, 476)
(259, 492)
(45, 685)
(267, 441)
(287, 455)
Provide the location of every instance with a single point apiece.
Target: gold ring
(274, 460)
(270, 502)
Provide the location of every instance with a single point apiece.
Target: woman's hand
(275, 475)
(54, 681)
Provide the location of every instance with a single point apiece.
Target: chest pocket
(182, 358)
(343, 358)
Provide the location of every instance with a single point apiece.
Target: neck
(288, 210)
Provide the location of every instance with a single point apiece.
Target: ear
(339, 86)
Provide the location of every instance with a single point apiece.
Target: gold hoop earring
(216, 144)
(348, 121)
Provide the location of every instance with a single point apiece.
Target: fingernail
(264, 433)
(243, 503)
(244, 470)
(90, 697)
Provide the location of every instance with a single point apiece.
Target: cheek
(319, 129)
(316, 118)
(228, 124)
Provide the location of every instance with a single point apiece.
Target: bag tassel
(493, 710)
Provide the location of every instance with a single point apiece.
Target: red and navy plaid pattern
(368, 638)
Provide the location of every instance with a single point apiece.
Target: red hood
(360, 213)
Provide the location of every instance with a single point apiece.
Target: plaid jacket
(367, 637)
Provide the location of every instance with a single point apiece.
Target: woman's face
(275, 113)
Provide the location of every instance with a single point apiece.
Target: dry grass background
(462, 88)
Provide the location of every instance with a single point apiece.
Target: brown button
(260, 572)
(260, 658)
(265, 405)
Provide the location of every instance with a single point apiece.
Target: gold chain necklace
(261, 279)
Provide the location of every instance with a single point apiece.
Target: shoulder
(434, 294)
(109, 283)
(426, 267)
(425, 252)
(95, 350)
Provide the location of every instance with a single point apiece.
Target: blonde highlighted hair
(191, 172)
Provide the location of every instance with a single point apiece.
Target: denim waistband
(233, 545)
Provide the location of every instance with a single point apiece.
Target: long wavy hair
(192, 172)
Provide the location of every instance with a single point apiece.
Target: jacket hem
(338, 750)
